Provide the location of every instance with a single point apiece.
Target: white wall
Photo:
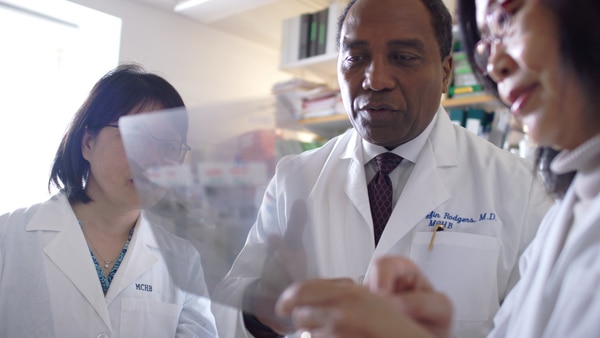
(204, 64)
(55, 52)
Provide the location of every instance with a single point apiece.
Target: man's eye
(404, 58)
(353, 61)
(354, 58)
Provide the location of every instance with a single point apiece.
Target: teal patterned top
(104, 279)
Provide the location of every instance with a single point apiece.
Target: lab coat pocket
(463, 266)
(145, 318)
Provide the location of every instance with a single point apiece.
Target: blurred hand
(340, 308)
(285, 263)
(398, 301)
(399, 279)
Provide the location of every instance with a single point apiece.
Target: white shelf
(293, 44)
(481, 100)
(333, 125)
(327, 126)
(320, 65)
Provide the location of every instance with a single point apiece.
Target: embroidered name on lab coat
(143, 287)
(449, 220)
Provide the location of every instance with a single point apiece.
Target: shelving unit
(309, 45)
(321, 66)
(327, 126)
(478, 100)
(332, 125)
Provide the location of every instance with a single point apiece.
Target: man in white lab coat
(394, 64)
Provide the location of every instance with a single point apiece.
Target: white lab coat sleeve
(578, 305)
(196, 318)
(246, 268)
(575, 313)
(3, 220)
(502, 318)
(538, 204)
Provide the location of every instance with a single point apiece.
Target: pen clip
(438, 227)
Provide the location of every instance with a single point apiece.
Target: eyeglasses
(170, 150)
(498, 22)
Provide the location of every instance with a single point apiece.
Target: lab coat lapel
(355, 186)
(425, 189)
(68, 251)
(548, 275)
(578, 238)
(555, 239)
(140, 257)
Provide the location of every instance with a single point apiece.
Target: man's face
(390, 71)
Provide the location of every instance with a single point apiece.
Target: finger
(338, 320)
(275, 243)
(312, 292)
(296, 223)
(395, 274)
(284, 262)
(320, 323)
(345, 316)
(281, 252)
(308, 317)
(294, 232)
(427, 306)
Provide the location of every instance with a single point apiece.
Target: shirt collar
(409, 151)
(582, 158)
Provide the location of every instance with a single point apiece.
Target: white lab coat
(558, 294)
(49, 286)
(457, 175)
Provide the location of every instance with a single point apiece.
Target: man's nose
(378, 75)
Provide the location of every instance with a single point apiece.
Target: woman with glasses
(541, 58)
(88, 262)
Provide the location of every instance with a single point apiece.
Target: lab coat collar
(140, 257)
(354, 148)
(443, 140)
(439, 134)
(68, 249)
(55, 208)
(356, 193)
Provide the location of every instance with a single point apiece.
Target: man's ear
(447, 64)
(87, 142)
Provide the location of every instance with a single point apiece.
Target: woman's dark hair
(579, 44)
(441, 20)
(117, 93)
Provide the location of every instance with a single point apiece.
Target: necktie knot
(381, 192)
(386, 162)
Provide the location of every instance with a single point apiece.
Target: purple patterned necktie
(381, 192)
